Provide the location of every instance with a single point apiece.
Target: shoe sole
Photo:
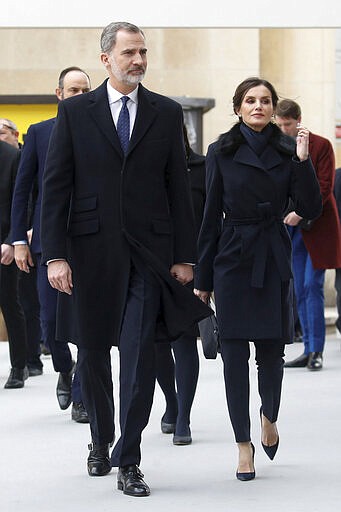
(184, 442)
(120, 488)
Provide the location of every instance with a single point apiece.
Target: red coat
(323, 241)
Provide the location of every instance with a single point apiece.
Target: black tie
(123, 124)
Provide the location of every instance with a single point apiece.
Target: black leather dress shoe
(98, 463)
(16, 378)
(78, 413)
(34, 371)
(130, 481)
(315, 361)
(63, 389)
(300, 362)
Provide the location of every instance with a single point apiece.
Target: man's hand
(182, 272)
(292, 219)
(7, 254)
(204, 296)
(23, 258)
(60, 276)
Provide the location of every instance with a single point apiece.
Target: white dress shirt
(115, 104)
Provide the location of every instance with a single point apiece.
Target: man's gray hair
(108, 37)
(9, 124)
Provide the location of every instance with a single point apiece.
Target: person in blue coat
(337, 194)
(72, 82)
(245, 254)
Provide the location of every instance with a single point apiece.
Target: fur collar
(230, 141)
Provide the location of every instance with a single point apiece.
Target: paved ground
(43, 453)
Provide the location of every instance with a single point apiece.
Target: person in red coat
(316, 242)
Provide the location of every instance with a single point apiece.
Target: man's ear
(105, 59)
(59, 93)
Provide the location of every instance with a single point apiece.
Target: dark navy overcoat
(101, 208)
(244, 247)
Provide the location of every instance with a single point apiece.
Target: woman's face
(256, 108)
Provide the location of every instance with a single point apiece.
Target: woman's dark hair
(246, 85)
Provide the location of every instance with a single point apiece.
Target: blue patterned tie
(123, 124)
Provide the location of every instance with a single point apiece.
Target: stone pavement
(43, 453)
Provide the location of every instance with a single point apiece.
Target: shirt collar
(114, 95)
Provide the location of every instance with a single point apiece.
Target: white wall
(172, 13)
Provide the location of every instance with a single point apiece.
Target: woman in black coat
(245, 254)
(178, 375)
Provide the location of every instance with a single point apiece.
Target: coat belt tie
(269, 238)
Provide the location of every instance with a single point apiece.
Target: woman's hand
(204, 296)
(302, 143)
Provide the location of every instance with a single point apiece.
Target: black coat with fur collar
(244, 247)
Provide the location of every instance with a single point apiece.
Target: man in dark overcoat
(117, 234)
(9, 295)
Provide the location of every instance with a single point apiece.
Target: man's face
(127, 61)
(75, 82)
(7, 134)
(288, 125)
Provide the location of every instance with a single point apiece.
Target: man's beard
(126, 78)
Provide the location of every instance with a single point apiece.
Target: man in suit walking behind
(116, 213)
(9, 296)
(316, 244)
(28, 293)
(72, 81)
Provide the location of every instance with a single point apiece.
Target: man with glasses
(9, 132)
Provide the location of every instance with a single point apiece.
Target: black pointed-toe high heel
(269, 450)
(244, 477)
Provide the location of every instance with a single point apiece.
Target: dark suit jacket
(100, 207)
(9, 160)
(30, 175)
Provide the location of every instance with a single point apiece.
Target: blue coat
(30, 172)
(244, 247)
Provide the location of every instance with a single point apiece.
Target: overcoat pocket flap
(86, 227)
(85, 204)
(162, 226)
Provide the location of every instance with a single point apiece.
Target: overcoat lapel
(270, 157)
(99, 109)
(145, 116)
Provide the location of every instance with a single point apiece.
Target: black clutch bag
(209, 334)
